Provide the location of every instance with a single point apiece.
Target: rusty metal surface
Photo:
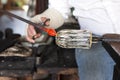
(17, 50)
(16, 66)
(59, 73)
(7, 78)
(15, 73)
(65, 71)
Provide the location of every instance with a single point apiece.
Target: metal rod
(95, 39)
(111, 40)
(22, 19)
(38, 27)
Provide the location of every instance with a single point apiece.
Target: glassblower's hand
(32, 34)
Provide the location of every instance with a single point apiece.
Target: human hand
(32, 34)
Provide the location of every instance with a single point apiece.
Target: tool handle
(84, 39)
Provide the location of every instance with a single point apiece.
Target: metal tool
(39, 27)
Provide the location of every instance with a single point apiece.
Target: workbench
(46, 62)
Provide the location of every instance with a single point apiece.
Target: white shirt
(61, 5)
(98, 16)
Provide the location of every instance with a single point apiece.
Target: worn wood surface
(114, 44)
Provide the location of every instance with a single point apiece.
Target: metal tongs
(39, 27)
